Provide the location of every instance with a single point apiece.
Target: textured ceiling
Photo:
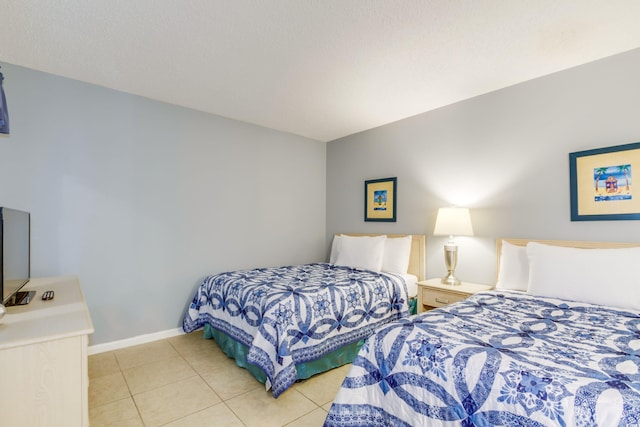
(318, 68)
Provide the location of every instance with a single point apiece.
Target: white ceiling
(318, 68)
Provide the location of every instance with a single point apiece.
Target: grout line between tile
(131, 395)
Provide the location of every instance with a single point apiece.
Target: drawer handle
(442, 300)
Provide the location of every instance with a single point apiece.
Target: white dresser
(44, 377)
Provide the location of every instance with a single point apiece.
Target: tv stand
(20, 298)
(44, 361)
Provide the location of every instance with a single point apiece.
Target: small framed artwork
(601, 183)
(380, 199)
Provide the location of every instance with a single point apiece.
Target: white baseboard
(128, 342)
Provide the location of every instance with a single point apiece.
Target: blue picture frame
(601, 183)
(380, 199)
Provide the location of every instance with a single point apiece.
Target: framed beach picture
(380, 199)
(602, 185)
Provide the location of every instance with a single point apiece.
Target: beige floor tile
(231, 381)
(175, 401)
(314, 419)
(121, 413)
(194, 341)
(216, 416)
(103, 364)
(259, 408)
(189, 389)
(206, 360)
(107, 388)
(322, 388)
(157, 374)
(145, 353)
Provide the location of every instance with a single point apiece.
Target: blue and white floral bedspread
(296, 314)
(498, 359)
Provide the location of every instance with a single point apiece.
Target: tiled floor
(187, 380)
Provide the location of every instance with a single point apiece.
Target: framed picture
(380, 199)
(601, 183)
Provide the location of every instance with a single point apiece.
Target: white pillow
(334, 249)
(599, 276)
(397, 251)
(361, 252)
(514, 267)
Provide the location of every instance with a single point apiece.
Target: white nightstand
(432, 293)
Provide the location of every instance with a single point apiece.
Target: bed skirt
(238, 351)
(413, 305)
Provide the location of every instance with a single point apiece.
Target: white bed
(291, 322)
(557, 343)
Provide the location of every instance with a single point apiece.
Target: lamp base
(450, 280)
(450, 260)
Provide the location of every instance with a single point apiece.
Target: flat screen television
(15, 256)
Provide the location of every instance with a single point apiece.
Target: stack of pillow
(598, 276)
(376, 253)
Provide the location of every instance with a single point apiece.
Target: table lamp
(449, 222)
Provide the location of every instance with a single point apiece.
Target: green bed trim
(339, 357)
(413, 305)
(238, 351)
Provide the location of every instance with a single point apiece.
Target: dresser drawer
(433, 298)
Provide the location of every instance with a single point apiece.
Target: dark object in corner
(4, 113)
(20, 298)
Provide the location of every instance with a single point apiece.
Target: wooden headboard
(417, 258)
(564, 243)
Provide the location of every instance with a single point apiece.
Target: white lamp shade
(453, 222)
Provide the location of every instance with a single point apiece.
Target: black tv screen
(15, 235)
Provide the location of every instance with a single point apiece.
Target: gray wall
(142, 199)
(503, 154)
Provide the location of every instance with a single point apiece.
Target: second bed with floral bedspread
(296, 314)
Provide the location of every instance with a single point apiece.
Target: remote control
(47, 295)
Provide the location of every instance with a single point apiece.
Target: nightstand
(432, 293)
